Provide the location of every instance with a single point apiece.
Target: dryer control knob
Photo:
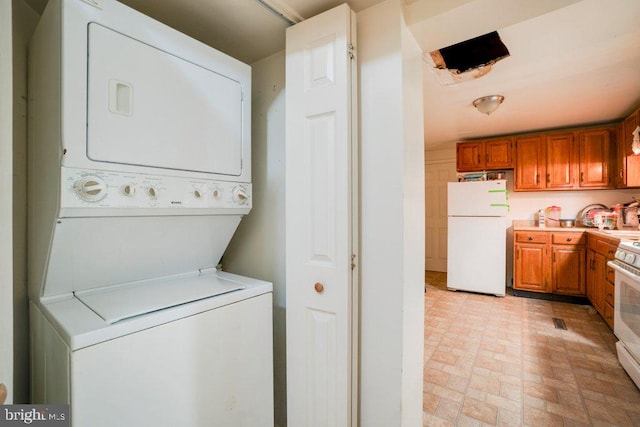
(129, 189)
(217, 192)
(152, 192)
(91, 188)
(240, 195)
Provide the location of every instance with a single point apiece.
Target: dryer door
(151, 108)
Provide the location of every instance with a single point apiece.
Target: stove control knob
(129, 189)
(630, 258)
(240, 195)
(198, 194)
(620, 255)
(91, 188)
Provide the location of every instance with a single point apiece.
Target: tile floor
(500, 361)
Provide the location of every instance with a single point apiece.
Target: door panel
(320, 217)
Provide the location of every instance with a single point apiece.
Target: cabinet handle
(548, 178)
(537, 179)
(486, 157)
(621, 173)
(530, 237)
(569, 239)
(581, 176)
(319, 287)
(478, 158)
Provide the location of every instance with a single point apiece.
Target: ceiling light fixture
(488, 104)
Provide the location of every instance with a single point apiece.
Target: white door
(437, 176)
(320, 227)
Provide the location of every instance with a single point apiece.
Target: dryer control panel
(154, 194)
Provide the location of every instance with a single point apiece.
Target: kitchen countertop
(530, 225)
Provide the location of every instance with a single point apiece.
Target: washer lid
(121, 302)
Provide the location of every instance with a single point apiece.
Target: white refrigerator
(476, 236)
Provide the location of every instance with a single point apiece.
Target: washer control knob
(91, 188)
(240, 195)
(152, 192)
(129, 189)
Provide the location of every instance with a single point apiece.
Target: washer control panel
(105, 189)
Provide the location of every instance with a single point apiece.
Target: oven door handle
(621, 270)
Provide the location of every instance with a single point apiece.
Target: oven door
(627, 309)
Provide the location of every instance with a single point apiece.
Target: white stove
(627, 306)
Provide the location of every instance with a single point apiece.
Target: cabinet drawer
(609, 289)
(568, 238)
(606, 249)
(531, 237)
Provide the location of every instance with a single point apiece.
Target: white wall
(257, 248)
(24, 22)
(392, 220)
(413, 219)
(6, 206)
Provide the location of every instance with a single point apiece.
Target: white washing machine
(139, 174)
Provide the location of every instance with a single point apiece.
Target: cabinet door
(531, 268)
(631, 161)
(498, 154)
(560, 161)
(470, 156)
(594, 159)
(567, 270)
(529, 167)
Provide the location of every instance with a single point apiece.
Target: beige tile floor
(501, 361)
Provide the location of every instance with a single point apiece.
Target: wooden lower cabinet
(600, 277)
(549, 262)
(567, 270)
(531, 267)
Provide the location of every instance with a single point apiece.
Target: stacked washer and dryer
(139, 174)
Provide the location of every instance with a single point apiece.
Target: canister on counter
(552, 216)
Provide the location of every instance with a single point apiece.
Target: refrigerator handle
(501, 204)
(505, 191)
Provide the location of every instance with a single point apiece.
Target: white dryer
(139, 174)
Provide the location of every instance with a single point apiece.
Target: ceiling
(573, 62)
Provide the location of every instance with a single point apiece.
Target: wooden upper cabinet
(469, 156)
(484, 155)
(498, 154)
(560, 161)
(530, 169)
(629, 167)
(594, 158)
